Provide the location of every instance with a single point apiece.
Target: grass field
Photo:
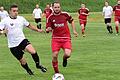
(95, 57)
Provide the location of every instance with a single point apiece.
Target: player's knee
(117, 23)
(55, 55)
(108, 24)
(23, 61)
(67, 55)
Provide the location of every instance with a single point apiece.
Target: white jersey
(37, 13)
(107, 11)
(15, 33)
(3, 14)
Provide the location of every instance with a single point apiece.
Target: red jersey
(116, 9)
(59, 25)
(47, 12)
(81, 12)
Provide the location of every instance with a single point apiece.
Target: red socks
(117, 29)
(55, 66)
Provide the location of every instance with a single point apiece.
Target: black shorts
(107, 20)
(18, 50)
(37, 20)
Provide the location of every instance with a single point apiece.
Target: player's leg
(67, 54)
(55, 61)
(110, 27)
(107, 24)
(18, 53)
(67, 47)
(83, 29)
(39, 23)
(55, 50)
(25, 66)
(117, 27)
(29, 48)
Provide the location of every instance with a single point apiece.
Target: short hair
(57, 2)
(13, 6)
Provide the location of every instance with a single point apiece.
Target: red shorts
(84, 22)
(60, 43)
(117, 18)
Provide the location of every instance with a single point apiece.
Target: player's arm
(103, 12)
(3, 31)
(74, 29)
(34, 28)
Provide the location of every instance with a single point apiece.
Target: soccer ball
(58, 76)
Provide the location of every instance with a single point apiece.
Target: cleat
(83, 35)
(117, 34)
(30, 72)
(43, 69)
(64, 62)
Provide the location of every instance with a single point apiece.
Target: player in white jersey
(3, 13)
(107, 13)
(37, 13)
(13, 26)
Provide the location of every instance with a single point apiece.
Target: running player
(13, 26)
(47, 12)
(83, 13)
(37, 13)
(3, 13)
(57, 22)
(116, 10)
(107, 13)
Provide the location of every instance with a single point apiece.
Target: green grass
(27, 6)
(95, 57)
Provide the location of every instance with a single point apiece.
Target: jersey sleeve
(87, 10)
(103, 10)
(34, 11)
(69, 18)
(79, 11)
(40, 11)
(25, 22)
(114, 8)
(49, 22)
(2, 25)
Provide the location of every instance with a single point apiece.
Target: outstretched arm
(34, 28)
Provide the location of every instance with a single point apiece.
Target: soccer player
(57, 22)
(116, 10)
(83, 13)
(47, 12)
(37, 13)
(13, 26)
(3, 13)
(107, 13)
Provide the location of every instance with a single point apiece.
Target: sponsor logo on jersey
(59, 25)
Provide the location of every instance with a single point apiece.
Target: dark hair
(13, 6)
(55, 2)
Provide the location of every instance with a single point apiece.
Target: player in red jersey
(47, 12)
(57, 22)
(116, 10)
(83, 13)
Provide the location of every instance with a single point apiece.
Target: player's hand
(4, 31)
(40, 30)
(75, 34)
(48, 29)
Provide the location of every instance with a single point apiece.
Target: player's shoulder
(64, 13)
(51, 15)
(20, 17)
(6, 19)
(87, 9)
